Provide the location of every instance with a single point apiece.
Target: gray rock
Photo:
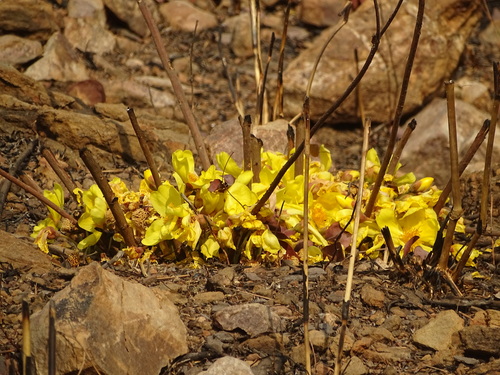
(429, 141)
(16, 50)
(120, 327)
(481, 341)
(253, 318)
(438, 333)
(88, 35)
(447, 26)
(228, 366)
(59, 62)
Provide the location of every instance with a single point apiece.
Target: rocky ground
(241, 319)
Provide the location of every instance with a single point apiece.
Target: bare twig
(467, 252)
(121, 223)
(456, 211)
(191, 77)
(399, 109)
(52, 339)
(27, 359)
(354, 249)
(246, 127)
(471, 151)
(300, 136)
(321, 121)
(400, 146)
(38, 196)
(176, 85)
(14, 170)
(305, 259)
(234, 96)
(489, 145)
(261, 118)
(144, 146)
(255, 148)
(278, 102)
(345, 17)
(61, 173)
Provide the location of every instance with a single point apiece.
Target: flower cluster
(209, 213)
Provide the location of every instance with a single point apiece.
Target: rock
(59, 62)
(372, 296)
(429, 140)
(447, 26)
(90, 92)
(136, 94)
(253, 318)
(130, 14)
(27, 16)
(88, 35)
(318, 339)
(438, 333)
(241, 38)
(262, 344)
(483, 342)
(273, 135)
(383, 353)
(87, 9)
(181, 15)
(228, 366)
(16, 50)
(354, 366)
(22, 255)
(115, 325)
(19, 86)
(320, 13)
(208, 297)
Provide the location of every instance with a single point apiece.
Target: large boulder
(447, 25)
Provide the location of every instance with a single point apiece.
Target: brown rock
(89, 91)
(481, 341)
(112, 324)
(447, 25)
(228, 366)
(181, 15)
(22, 87)
(427, 152)
(59, 62)
(253, 318)
(129, 12)
(320, 13)
(27, 16)
(372, 296)
(16, 50)
(22, 255)
(241, 38)
(88, 35)
(438, 333)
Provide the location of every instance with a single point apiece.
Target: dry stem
(375, 44)
(278, 102)
(399, 108)
(456, 211)
(305, 255)
(121, 223)
(352, 260)
(61, 173)
(400, 146)
(176, 85)
(144, 146)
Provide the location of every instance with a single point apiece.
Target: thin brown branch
(52, 339)
(38, 196)
(471, 151)
(14, 170)
(467, 252)
(261, 97)
(176, 85)
(121, 223)
(300, 136)
(321, 121)
(246, 128)
(399, 108)
(234, 96)
(278, 102)
(456, 211)
(400, 146)
(489, 145)
(144, 146)
(255, 148)
(60, 172)
(305, 255)
(354, 247)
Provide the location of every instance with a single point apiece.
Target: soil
(407, 305)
